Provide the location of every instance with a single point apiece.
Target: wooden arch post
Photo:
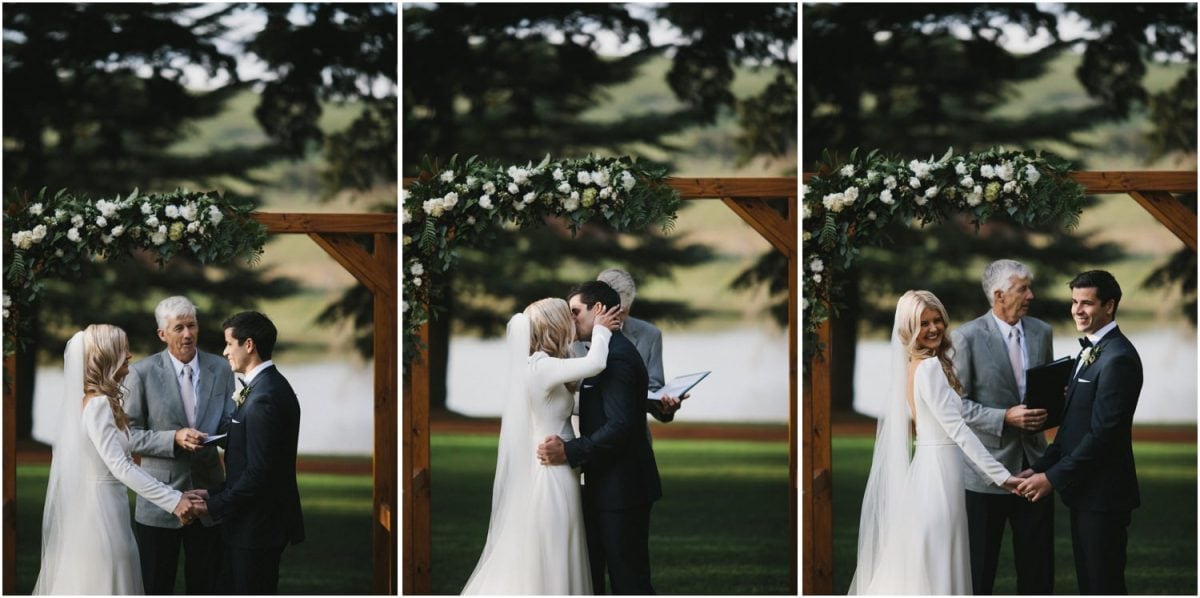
(748, 198)
(1151, 189)
(377, 271)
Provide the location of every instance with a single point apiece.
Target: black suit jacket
(618, 463)
(259, 504)
(1090, 463)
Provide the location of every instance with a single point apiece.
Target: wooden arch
(747, 197)
(377, 271)
(1151, 189)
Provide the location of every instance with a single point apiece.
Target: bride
(87, 541)
(536, 542)
(912, 534)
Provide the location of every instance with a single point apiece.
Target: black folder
(1045, 388)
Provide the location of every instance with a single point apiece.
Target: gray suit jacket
(989, 389)
(155, 411)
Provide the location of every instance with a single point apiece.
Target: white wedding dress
(87, 540)
(536, 544)
(923, 547)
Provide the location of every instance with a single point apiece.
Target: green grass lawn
(335, 557)
(1162, 535)
(720, 528)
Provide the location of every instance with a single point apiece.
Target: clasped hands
(1032, 486)
(193, 505)
(190, 439)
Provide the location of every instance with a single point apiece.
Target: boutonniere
(1090, 354)
(239, 397)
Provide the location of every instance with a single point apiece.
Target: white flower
(871, 215)
(564, 187)
(967, 182)
(584, 177)
(519, 175)
(403, 306)
(417, 282)
(627, 181)
(106, 239)
(890, 182)
(1010, 186)
(571, 203)
(433, 207)
(805, 212)
(60, 214)
(960, 168)
(920, 169)
(914, 182)
(529, 197)
(803, 303)
(489, 187)
(159, 237)
(886, 197)
(834, 202)
(816, 265)
(1005, 171)
(816, 278)
(446, 176)
(7, 301)
(871, 176)
(118, 230)
(192, 227)
(1031, 174)
(851, 194)
(172, 211)
(485, 202)
(986, 171)
(73, 235)
(848, 170)
(147, 208)
(557, 174)
(513, 188)
(471, 181)
(101, 221)
(417, 269)
(214, 215)
(188, 212)
(974, 198)
(106, 208)
(931, 192)
(22, 240)
(77, 220)
(600, 178)
(920, 200)
(606, 192)
(36, 209)
(450, 200)
(152, 222)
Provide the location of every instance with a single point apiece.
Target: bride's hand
(610, 319)
(1011, 484)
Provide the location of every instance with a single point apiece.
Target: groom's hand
(1024, 418)
(669, 404)
(1035, 487)
(189, 439)
(552, 451)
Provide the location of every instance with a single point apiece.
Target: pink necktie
(1014, 354)
(189, 396)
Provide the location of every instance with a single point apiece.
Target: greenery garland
(49, 237)
(464, 202)
(850, 204)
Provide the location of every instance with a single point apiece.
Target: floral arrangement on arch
(463, 202)
(848, 205)
(50, 236)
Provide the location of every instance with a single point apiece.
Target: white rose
(447, 176)
(215, 215)
(851, 194)
(886, 197)
(147, 208)
(158, 238)
(417, 269)
(513, 188)
(986, 171)
(571, 203)
(606, 192)
(489, 188)
(557, 174)
(816, 278)
(518, 175)
(118, 230)
(584, 177)
(101, 221)
(931, 192)
(914, 182)
(417, 282)
(805, 212)
(403, 306)
(1005, 172)
(890, 182)
(816, 265)
(77, 220)
(450, 200)
(960, 168)
(627, 180)
(1010, 186)
(967, 182)
(188, 212)
(39, 233)
(803, 303)
(848, 170)
(485, 202)
(152, 222)
(192, 227)
(172, 211)
(529, 197)
(73, 235)
(564, 187)
(920, 200)
(471, 181)
(1031, 174)
(106, 239)
(36, 209)
(600, 178)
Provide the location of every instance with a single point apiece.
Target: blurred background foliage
(514, 82)
(1108, 86)
(102, 98)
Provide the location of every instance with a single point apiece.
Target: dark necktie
(1085, 342)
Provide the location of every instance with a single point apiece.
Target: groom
(1090, 463)
(620, 477)
(259, 504)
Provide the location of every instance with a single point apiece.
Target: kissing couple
(88, 544)
(933, 523)
(545, 535)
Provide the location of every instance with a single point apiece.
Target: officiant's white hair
(998, 277)
(621, 282)
(173, 307)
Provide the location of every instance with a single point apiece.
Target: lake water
(336, 406)
(1168, 369)
(748, 383)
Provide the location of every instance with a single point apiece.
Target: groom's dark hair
(594, 290)
(1105, 284)
(251, 324)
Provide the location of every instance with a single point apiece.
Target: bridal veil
(884, 509)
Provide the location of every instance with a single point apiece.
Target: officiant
(176, 398)
(993, 353)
